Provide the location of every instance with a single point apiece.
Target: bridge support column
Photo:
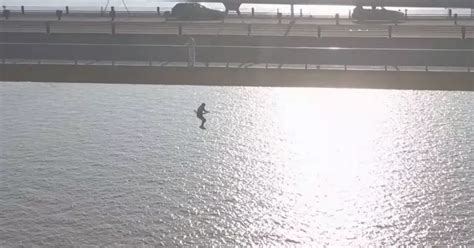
(463, 32)
(232, 6)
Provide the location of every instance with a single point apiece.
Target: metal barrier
(241, 54)
(244, 29)
(151, 63)
(152, 12)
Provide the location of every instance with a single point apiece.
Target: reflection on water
(115, 165)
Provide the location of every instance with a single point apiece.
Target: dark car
(195, 11)
(363, 15)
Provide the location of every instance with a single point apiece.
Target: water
(93, 164)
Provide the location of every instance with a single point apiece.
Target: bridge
(434, 53)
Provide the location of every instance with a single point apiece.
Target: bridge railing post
(455, 19)
(249, 29)
(59, 14)
(112, 27)
(279, 16)
(158, 11)
(112, 13)
(463, 32)
(48, 28)
(406, 14)
(253, 12)
(22, 10)
(180, 29)
(389, 32)
(6, 14)
(337, 19)
(67, 10)
(319, 31)
(301, 12)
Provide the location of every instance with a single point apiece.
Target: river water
(111, 165)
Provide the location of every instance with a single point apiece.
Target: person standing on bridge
(191, 52)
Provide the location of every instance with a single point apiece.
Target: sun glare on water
(330, 158)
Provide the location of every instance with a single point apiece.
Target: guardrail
(241, 54)
(235, 65)
(242, 29)
(158, 11)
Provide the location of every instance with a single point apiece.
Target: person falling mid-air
(201, 111)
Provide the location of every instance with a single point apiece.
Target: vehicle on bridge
(376, 15)
(195, 11)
